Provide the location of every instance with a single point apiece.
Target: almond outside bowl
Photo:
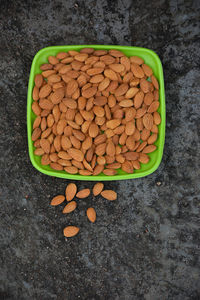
(151, 59)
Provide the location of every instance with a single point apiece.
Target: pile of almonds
(71, 192)
(96, 112)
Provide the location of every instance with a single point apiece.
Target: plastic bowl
(150, 58)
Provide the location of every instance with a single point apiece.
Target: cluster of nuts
(71, 193)
(96, 112)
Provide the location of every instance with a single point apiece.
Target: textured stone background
(146, 244)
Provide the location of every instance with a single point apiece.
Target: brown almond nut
(136, 164)
(36, 108)
(115, 165)
(116, 53)
(130, 128)
(130, 142)
(94, 71)
(100, 139)
(154, 128)
(97, 78)
(93, 130)
(100, 149)
(149, 149)
(121, 90)
(117, 67)
(45, 145)
(100, 100)
(56, 166)
(107, 59)
(46, 67)
(148, 121)
(148, 98)
(110, 148)
(126, 103)
(98, 169)
(97, 189)
(91, 214)
(45, 91)
(138, 99)
(85, 172)
(48, 73)
(109, 172)
(36, 134)
(70, 191)
(127, 167)
(109, 195)
(153, 107)
(155, 82)
(89, 92)
(70, 231)
(147, 70)
(137, 70)
(87, 166)
(72, 85)
(156, 118)
(131, 92)
(35, 93)
(83, 193)
(38, 80)
(45, 160)
(143, 158)
(141, 146)
(136, 60)
(71, 170)
(46, 104)
(39, 151)
(64, 162)
(87, 143)
(37, 122)
(46, 133)
(64, 155)
(54, 157)
(76, 154)
(57, 96)
(54, 78)
(57, 143)
(113, 123)
(152, 139)
(144, 85)
(131, 155)
(110, 74)
(145, 134)
(70, 207)
(57, 200)
(126, 62)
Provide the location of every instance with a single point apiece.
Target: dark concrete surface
(146, 244)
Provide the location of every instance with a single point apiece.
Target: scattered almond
(70, 231)
(83, 193)
(91, 214)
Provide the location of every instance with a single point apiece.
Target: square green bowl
(150, 58)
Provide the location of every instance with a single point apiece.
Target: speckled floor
(146, 244)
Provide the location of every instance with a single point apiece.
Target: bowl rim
(97, 177)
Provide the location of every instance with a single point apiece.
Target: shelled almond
(96, 112)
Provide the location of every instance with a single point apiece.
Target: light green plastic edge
(150, 58)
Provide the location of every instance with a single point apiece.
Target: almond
(149, 149)
(155, 82)
(70, 231)
(109, 172)
(126, 103)
(153, 107)
(76, 154)
(83, 193)
(130, 128)
(127, 167)
(136, 60)
(71, 170)
(90, 92)
(147, 70)
(45, 145)
(70, 207)
(109, 195)
(156, 118)
(56, 166)
(148, 121)
(72, 85)
(45, 91)
(143, 158)
(91, 214)
(137, 70)
(97, 189)
(36, 134)
(121, 90)
(131, 155)
(152, 139)
(57, 200)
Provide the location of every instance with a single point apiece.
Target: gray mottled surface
(146, 244)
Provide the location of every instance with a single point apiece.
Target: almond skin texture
(70, 231)
(70, 191)
(70, 207)
(57, 200)
(109, 195)
(98, 188)
(83, 193)
(91, 214)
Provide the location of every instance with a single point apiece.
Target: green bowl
(150, 58)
